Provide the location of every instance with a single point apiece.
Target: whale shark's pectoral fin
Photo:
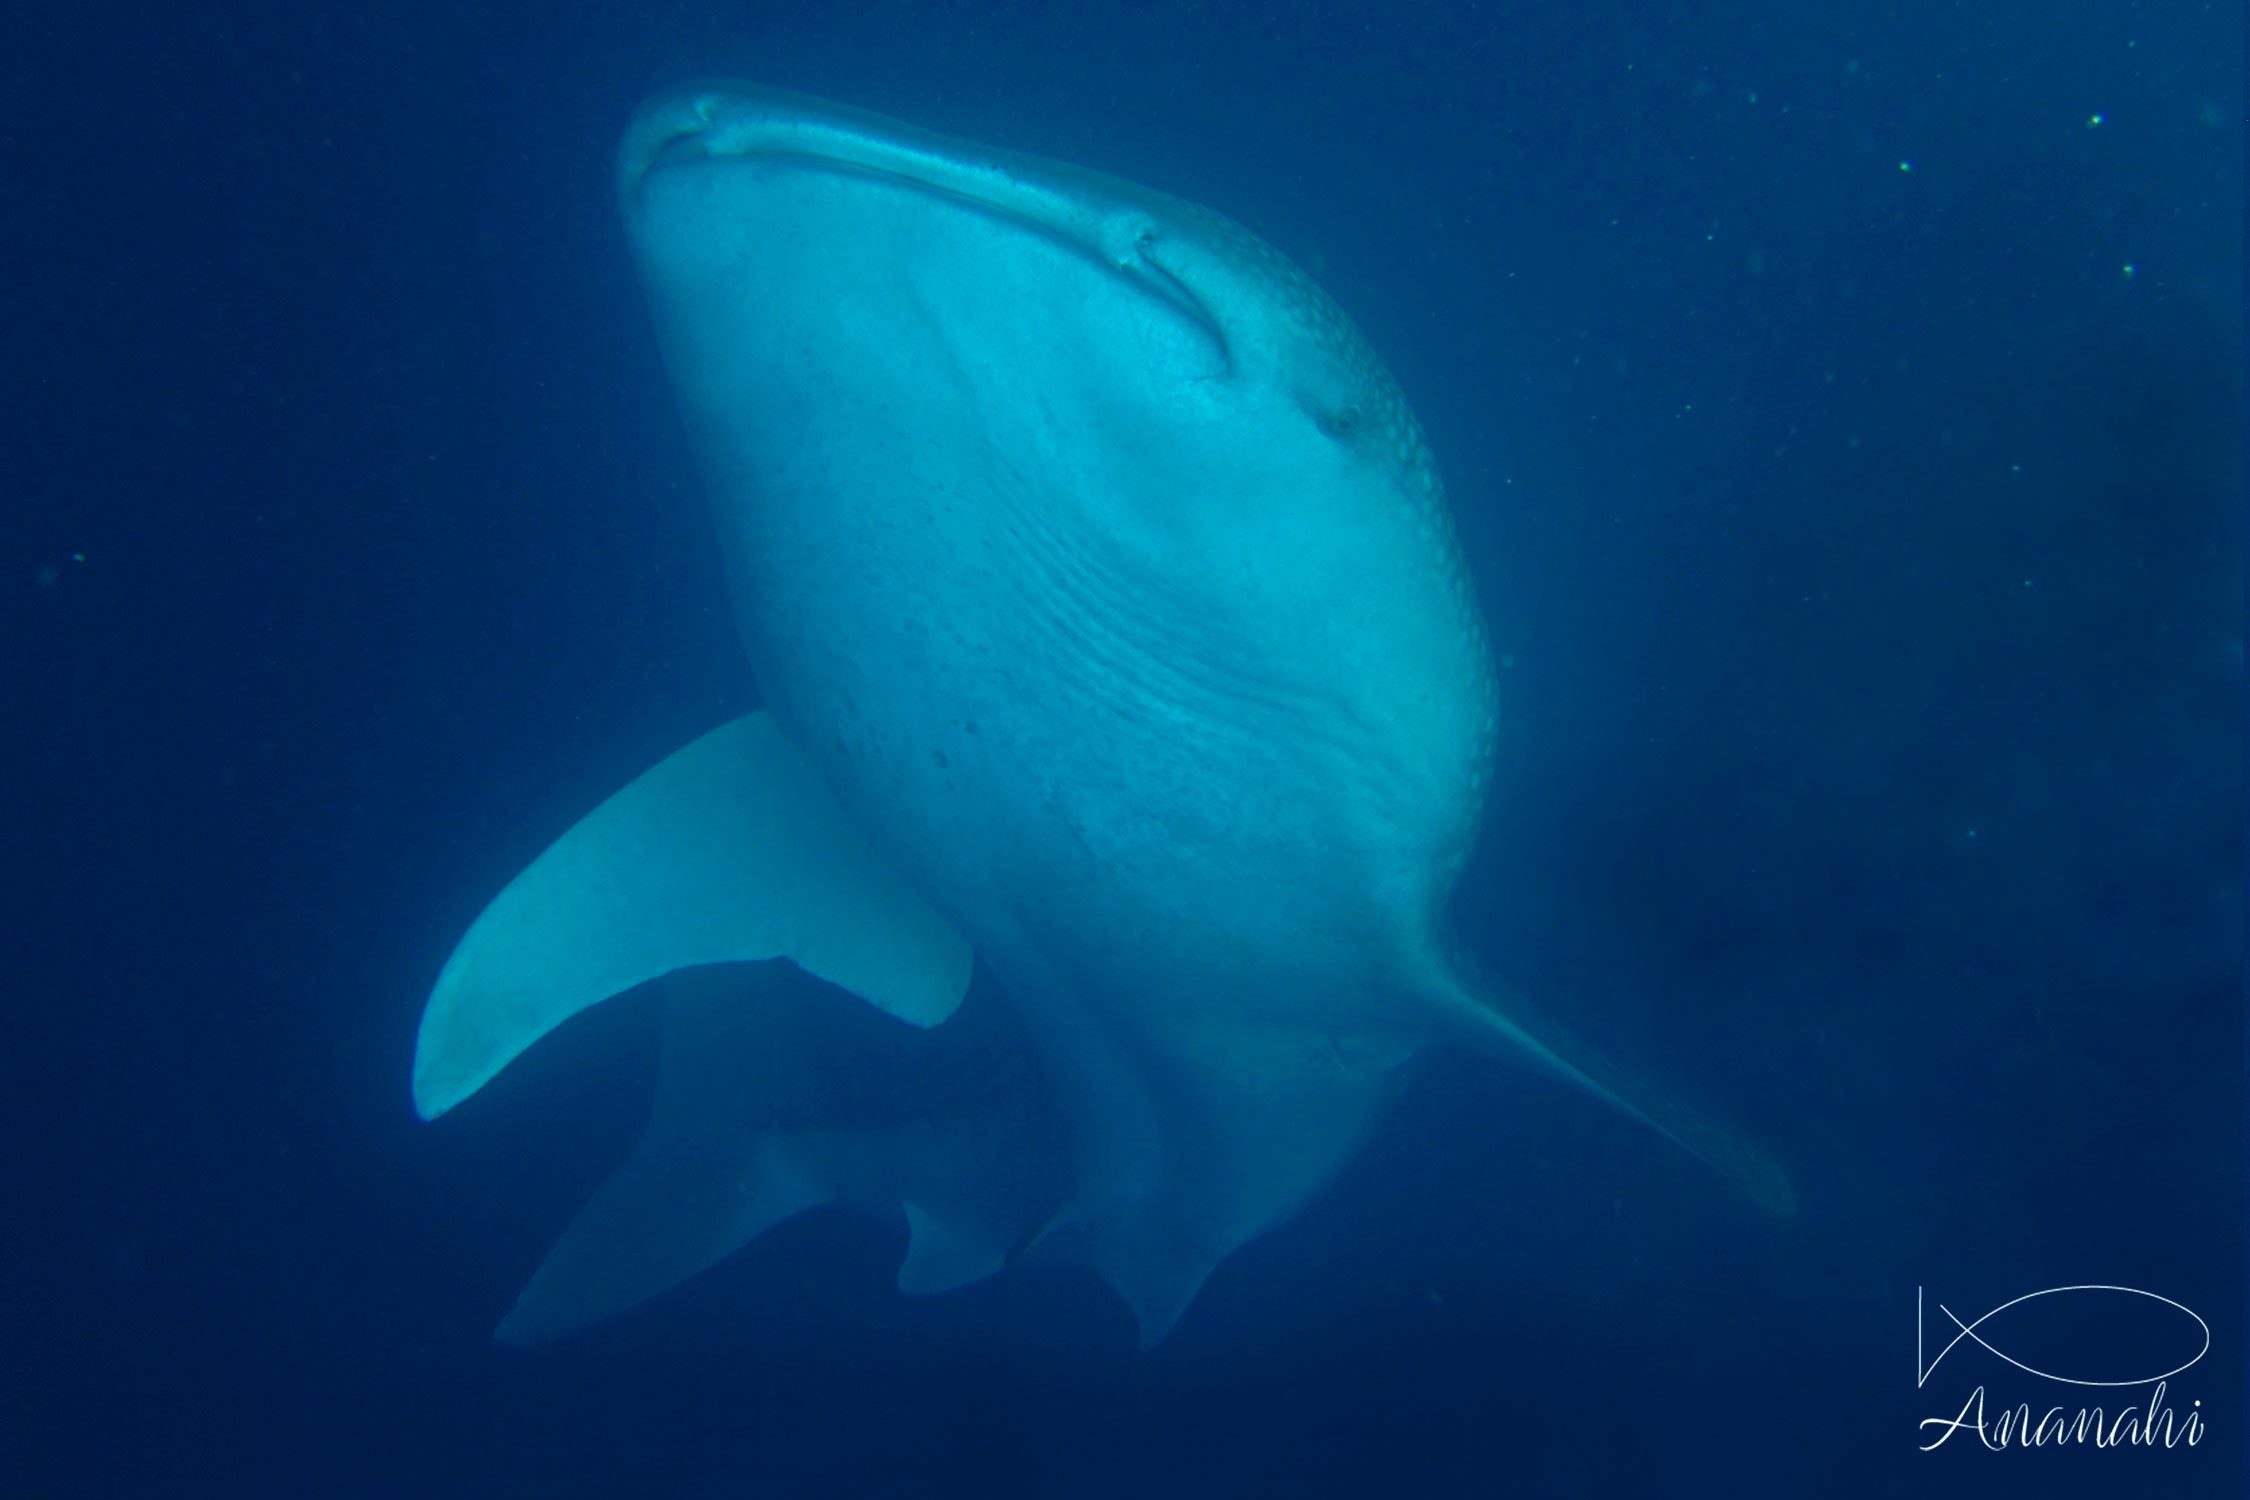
(729, 849)
(1502, 1022)
(771, 1100)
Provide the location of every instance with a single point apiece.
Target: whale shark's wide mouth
(701, 123)
(718, 122)
(1121, 225)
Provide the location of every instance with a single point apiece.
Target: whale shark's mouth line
(1082, 211)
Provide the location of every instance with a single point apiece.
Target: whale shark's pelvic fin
(772, 1098)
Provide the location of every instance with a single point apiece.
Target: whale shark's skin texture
(1111, 627)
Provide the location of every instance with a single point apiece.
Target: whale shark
(1081, 888)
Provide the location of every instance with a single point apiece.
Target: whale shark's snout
(1263, 318)
(669, 129)
(1116, 221)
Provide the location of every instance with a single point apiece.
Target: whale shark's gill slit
(1161, 279)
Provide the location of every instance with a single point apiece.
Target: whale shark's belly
(1120, 668)
(1077, 785)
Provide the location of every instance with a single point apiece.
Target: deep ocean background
(1847, 429)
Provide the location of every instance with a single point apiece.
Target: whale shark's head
(1241, 309)
(1174, 396)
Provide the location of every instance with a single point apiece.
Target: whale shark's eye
(1339, 421)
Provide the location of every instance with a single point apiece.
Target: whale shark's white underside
(1113, 634)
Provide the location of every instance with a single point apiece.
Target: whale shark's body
(1111, 629)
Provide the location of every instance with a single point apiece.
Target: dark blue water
(1844, 409)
